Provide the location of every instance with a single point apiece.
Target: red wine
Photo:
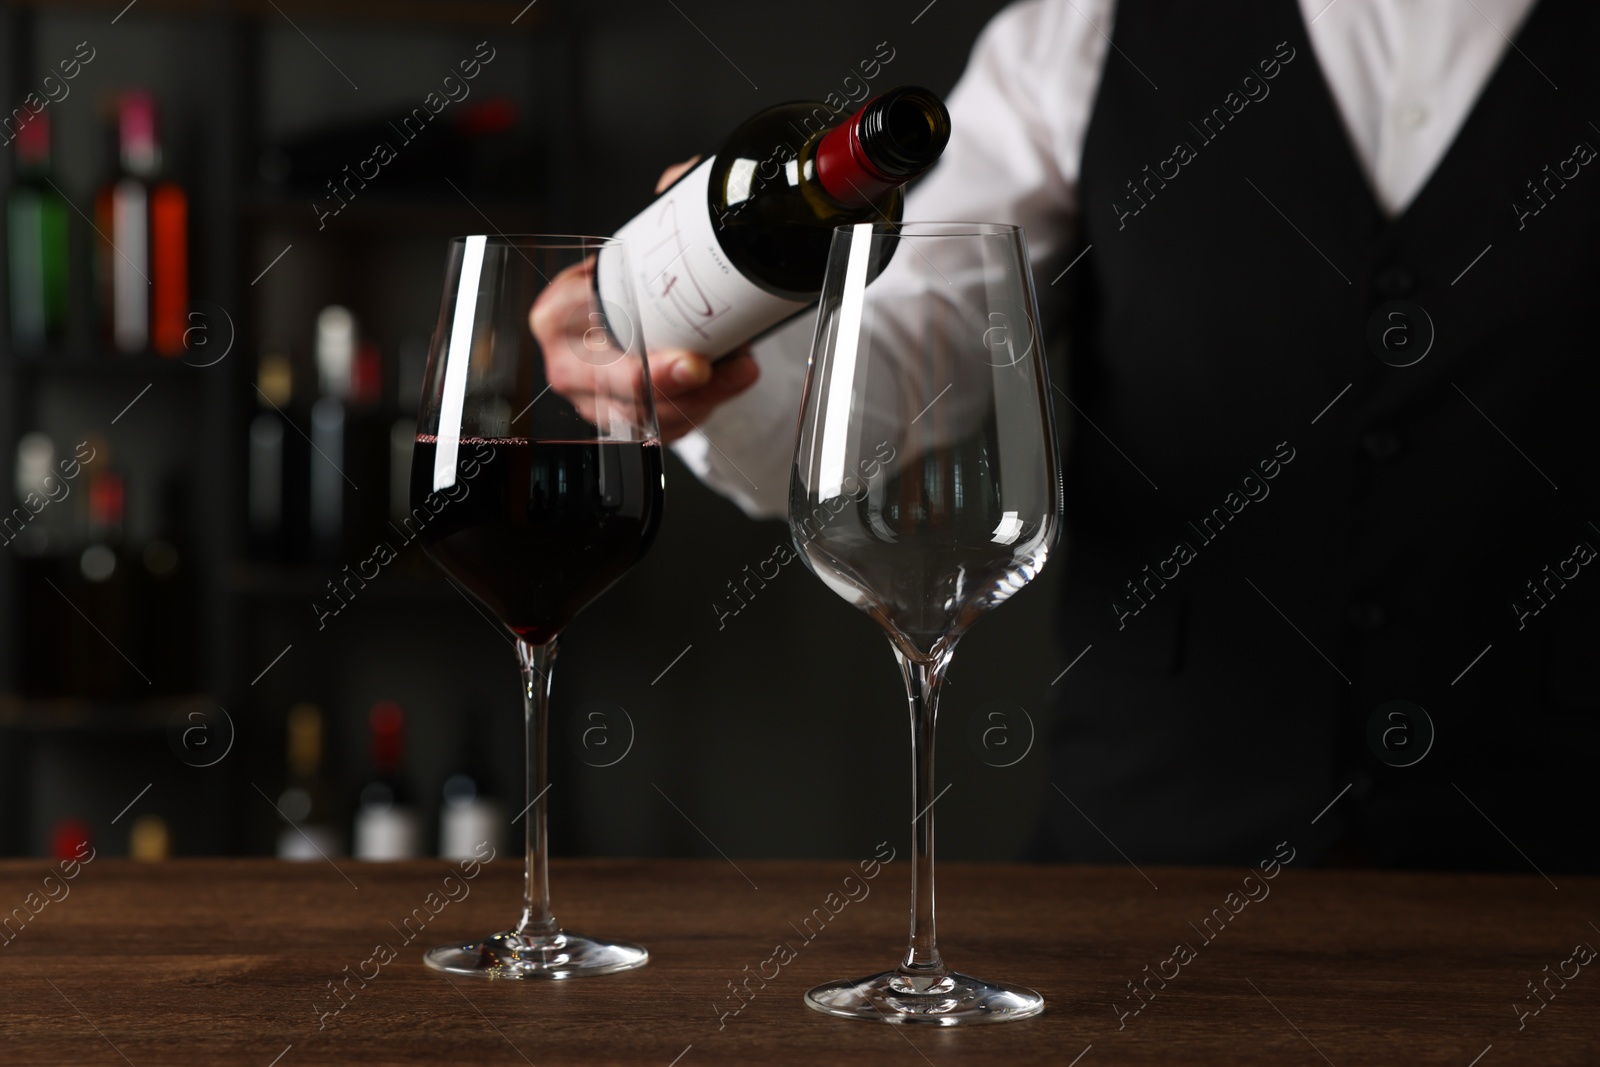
(542, 528)
(741, 241)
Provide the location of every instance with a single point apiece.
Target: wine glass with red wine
(926, 491)
(533, 506)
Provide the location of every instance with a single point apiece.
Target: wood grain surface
(230, 962)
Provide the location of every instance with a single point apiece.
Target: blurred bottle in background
(307, 798)
(335, 356)
(278, 464)
(142, 256)
(46, 506)
(471, 815)
(149, 840)
(350, 445)
(386, 823)
(37, 242)
(95, 586)
(69, 839)
(168, 594)
(403, 431)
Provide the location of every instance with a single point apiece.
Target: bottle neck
(305, 742)
(106, 506)
(386, 722)
(845, 171)
(386, 757)
(892, 139)
(33, 145)
(141, 153)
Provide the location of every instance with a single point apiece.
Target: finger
(729, 378)
(673, 173)
(558, 301)
(678, 415)
(677, 370)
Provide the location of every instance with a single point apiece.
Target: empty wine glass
(926, 490)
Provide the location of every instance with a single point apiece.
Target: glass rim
(555, 241)
(934, 228)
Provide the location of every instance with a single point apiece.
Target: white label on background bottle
(465, 826)
(689, 295)
(308, 843)
(387, 832)
(130, 266)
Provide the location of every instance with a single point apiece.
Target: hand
(687, 385)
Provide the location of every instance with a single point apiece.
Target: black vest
(1274, 528)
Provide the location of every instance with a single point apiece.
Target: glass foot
(953, 1000)
(561, 955)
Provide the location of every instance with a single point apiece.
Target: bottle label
(690, 296)
(387, 833)
(465, 827)
(309, 843)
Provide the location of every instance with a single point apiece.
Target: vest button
(1393, 282)
(1366, 616)
(1381, 446)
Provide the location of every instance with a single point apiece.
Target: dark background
(781, 734)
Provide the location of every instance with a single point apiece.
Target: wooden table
(222, 962)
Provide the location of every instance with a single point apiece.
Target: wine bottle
(367, 449)
(34, 531)
(69, 839)
(166, 595)
(107, 512)
(307, 800)
(36, 221)
(470, 816)
(149, 840)
(142, 253)
(387, 827)
(403, 430)
(265, 494)
(169, 269)
(469, 820)
(122, 224)
(740, 242)
(39, 486)
(335, 357)
(104, 586)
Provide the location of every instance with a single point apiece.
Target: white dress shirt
(1404, 74)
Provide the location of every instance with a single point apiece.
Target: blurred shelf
(148, 7)
(221, 59)
(305, 581)
(403, 214)
(499, 13)
(92, 364)
(93, 715)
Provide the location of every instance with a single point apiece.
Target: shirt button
(1393, 282)
(1381, 446)
(1366, 616)
(1414, 117)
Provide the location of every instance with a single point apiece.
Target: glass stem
(536, 661)
(923, 676)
